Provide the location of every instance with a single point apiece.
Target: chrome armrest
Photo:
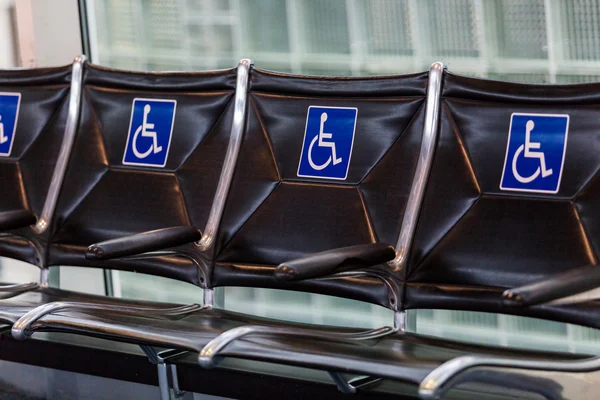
(23, 328)
(443, 378)
(208, 357)
(8, 291)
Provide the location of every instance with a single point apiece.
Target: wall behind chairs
(57, 32)
(39, 33)
(8, 49)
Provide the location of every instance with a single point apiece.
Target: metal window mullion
(482, 36)
(210, 33)
(187, 42)
(553, 37)
(292, 8)
(419, 35)
(142, 42)
(92, 16)
(321, 305)
(503, 327)
(571, 341)
(440, 323)
(238, 37)
(116, 286)
(356, 36)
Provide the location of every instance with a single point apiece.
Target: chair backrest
(34, 108)
(148, 154)
(293, 195)
(513, 194)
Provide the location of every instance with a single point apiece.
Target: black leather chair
(468, 274)
(38, 115)
(148, 154)
(110, 192)
(504, 238)
(278, 215)
(105, 195)
(509, 224)
(273, 214)
(266, 214)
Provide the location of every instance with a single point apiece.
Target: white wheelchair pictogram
(3, 139)
(322, 135)
(145, 130)
(526, 149)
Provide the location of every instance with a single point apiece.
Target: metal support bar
(66, 146)
(22, 329)
(392, 286)
(166, 381)
(441, 379)
(209, 297)
(208, 357)
(351, 386)
(8, 291)
(400, 320)
(163, 381)
(233, 150)
(341, 383)
(177, 392)
(363, 381)
(415, 199)
(44, 277)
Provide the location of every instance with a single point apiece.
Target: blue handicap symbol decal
(535, 153)
(328, 140)
(9, 112)
(150, 132)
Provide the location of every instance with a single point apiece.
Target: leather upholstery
(402, 356)
(27, 172)
(104, 199)
(273, 216)
(15, 219)
(475, 240)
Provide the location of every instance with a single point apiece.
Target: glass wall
(541, 41)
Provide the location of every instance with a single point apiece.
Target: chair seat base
(399, 356)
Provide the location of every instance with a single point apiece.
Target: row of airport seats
(430, 190)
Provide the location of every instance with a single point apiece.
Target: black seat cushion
(402, 356)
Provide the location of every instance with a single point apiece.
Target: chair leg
(166, 381)
(177, 393)
(163, 381)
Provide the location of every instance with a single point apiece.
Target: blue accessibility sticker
(9, 113)
(328, 141)
(150, 131)
(535, 153)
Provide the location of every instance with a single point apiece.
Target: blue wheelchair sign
(328, 140)
(9, 113)
(535, 153)
(150, 131)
